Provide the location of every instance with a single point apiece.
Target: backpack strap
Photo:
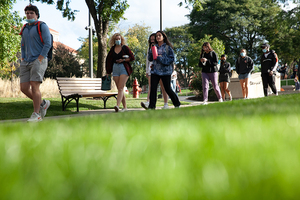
(40, 31)
(21, 32)
(38, 27)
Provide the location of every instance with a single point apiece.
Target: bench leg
(67, 100)
(106, 98)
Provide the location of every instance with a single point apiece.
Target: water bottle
(154, 52)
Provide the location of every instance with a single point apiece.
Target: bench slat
(80, 82)
(81, 88)
(76, 79)
(79, 85)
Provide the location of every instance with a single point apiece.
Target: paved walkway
(103, 111)
(107, 111)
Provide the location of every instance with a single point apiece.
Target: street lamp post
(161, 15)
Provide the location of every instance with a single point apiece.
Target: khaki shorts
(33, 71)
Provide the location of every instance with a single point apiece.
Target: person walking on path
(224, 77)
(34, 50)
(244, 66)
(268, 62)
(208, 62)
(149, 64)
(162, 69)
(117, 63)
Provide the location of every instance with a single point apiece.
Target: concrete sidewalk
(103, 111)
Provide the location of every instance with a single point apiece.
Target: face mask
(243, 54)
(30, 21)
(264, 50)
(118, 42)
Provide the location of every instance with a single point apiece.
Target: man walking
(268, 62)
(35, 45)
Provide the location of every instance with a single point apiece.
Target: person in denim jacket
(162, 69)
(148, 75)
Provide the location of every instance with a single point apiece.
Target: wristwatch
(124, 60)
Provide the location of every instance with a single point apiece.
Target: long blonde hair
(113, 38)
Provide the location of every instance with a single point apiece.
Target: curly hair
(113, 38)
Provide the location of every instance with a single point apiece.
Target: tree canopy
(239, 24)
(103, 13)
(10, 25)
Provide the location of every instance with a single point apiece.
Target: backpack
(39, 30)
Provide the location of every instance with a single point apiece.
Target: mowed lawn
(244, 149)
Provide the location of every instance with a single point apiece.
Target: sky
(140, 12)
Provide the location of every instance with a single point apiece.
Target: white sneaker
(123, 110)
(166, 106)
(221, 100)
(204, 103)
(145, 105)
(116, 108)
(35, 117)
(43, 109)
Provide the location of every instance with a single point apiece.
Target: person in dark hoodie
(244, 66)
(224, 77)
(268, 62)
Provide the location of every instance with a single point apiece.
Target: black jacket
(211, 63)
(269, 62)
(244, 65)
(225, 68)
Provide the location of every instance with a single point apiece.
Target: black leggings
(167, 85)
(268, 81)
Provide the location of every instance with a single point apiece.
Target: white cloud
(139, 12)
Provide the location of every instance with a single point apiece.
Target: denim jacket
(163, 65)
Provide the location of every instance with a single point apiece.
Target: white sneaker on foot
(145, 105)
(123, 110)
(204, 103)
(221, 100)
(166, 106)
(43, 109)
(116, 108)
(35, 117)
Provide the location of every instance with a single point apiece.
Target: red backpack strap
(39, 31)
(21, 32)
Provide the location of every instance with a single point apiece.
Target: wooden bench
(75, 88)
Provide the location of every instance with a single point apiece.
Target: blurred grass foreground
(244, 149)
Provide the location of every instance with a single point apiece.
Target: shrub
(196, 83)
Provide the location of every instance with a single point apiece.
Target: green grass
(287, 82)
(244, 149)
(18, 108)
